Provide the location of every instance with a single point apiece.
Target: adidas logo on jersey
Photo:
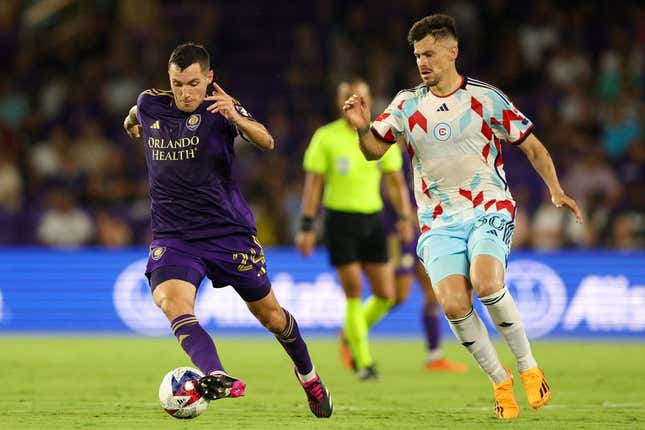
(155, 125)
(442, 108)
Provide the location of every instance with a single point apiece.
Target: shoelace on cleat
(314, 388)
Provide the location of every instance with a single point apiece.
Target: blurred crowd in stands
(69, 175)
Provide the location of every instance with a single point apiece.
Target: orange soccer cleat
(537, 390)
(506, 406)
(443, 365)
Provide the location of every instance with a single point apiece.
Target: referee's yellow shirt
(352, 184)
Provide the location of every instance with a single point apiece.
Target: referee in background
(354, 232)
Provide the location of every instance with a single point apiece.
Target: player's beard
(430, 80)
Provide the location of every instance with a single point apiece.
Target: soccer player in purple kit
(201, 224)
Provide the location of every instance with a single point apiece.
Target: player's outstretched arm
(306, 236)
(131, 124)
(358, 115)
(252, 130)
(541, 161)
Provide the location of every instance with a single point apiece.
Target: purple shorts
(232, 260)
(403, 256)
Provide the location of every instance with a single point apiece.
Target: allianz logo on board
(607, 303)
(604, 303)
(314, 304)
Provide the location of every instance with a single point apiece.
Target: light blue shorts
(449, 250)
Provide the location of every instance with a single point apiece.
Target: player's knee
(171, 307)
(273, 320)
(388, 296)
(485, 285)
(456, 307)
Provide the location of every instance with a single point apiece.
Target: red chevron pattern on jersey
(476, 106)
(438, 210)
(452, 185)
(417, 118)
(424, 188)
(477, 200)
(507, 205)
(382, 116)
(500, 159)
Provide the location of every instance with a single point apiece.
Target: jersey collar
(461, 86)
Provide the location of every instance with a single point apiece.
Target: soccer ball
(178, 394)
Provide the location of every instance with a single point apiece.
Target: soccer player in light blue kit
(454, 127)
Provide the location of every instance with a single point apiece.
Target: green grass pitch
(111, 383)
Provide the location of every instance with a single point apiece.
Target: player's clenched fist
(357, 111)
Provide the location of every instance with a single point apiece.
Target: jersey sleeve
(389, 125)
(142, 104)
(392, 161)
(507, 122)
(315, 158)
(152, 103)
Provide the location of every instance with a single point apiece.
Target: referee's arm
(311, 194)
(306, 236)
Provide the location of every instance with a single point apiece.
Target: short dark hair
(438, 26)
(189, 53)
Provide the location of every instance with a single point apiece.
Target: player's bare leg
(435, 361)
(487, 275)
(455, 297)
(402, 287)
(281, 323)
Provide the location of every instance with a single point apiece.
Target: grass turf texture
(111, 383)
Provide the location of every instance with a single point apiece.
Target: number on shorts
(255, 257)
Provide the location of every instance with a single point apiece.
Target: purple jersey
(189, 157)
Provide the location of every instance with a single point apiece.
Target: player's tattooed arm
(250, 129)
(541, 161)
(131, 124)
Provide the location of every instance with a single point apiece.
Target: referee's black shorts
(353, 237)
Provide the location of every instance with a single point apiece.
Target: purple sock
(432, 326)
(295, 345)
(197, 343)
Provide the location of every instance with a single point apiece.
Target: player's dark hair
(189, 53)
(438, 26)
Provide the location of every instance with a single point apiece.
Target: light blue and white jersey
(455, 145)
